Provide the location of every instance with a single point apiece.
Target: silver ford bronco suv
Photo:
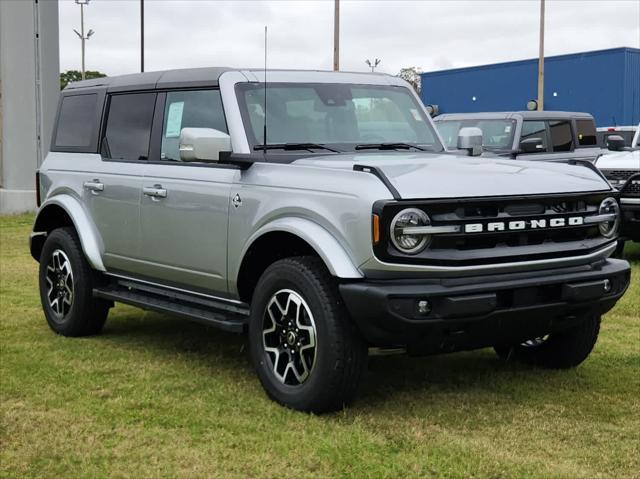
(319, 212)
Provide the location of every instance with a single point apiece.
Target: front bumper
(480, 311)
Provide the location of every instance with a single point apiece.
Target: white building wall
(29, 88)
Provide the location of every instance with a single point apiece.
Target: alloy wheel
(289, 337)
(59, 277)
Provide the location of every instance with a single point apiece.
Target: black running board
(228, 317)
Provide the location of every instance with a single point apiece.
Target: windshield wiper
(295, 146)
(388, 146)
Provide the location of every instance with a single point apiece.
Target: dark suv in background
(531, 135)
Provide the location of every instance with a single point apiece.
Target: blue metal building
(605, 83)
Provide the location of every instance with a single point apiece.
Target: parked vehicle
(530, 135)
(621, 166)
(321, 214)
(626, 132)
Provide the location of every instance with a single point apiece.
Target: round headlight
(609, 206)
(406, 242)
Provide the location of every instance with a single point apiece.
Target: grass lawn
(155, 396)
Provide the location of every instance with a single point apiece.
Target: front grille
(487, 246)
(631, 187)
(627, 181)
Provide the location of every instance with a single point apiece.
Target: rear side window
(189, 109)
(586, 133)
(561, 137)
(535, 129)
(76, 121)
(128, 128)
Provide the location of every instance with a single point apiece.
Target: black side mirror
(615, 143)
(531, 145)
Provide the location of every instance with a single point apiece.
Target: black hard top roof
(188, 77)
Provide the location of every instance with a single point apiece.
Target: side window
(535, 129)
(586, 133)
(561, 137)
(189, 109)
(129, 126)
(77, 121)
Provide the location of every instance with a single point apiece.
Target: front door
(185, 206)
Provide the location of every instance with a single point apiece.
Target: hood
(620, 160)
(429, 175)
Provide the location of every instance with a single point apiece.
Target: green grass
(156, 396)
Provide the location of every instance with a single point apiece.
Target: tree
(412, 75)
(75, 75)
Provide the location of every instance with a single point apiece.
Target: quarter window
(586, 133)
(129, 126)
(535, 129)
(561, 137)
(189, 109)
(77, 121)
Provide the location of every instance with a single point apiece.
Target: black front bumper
(481, 311)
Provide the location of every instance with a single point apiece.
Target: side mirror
(203, 144)
(531, 145)
(615, 143)
(470, 139)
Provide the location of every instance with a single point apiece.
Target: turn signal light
(375, 229)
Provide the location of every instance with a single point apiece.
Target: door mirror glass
(470, 139)
(203, 144)
(531, 145)
(615, 143)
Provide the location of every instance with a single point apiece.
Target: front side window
(129, 126)
(586, 133)
(561, 137)
(339, 115)
(189, 109)
(76, 121)
(497, 135)
(535, 129)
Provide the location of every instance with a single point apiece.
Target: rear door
(113, 194)
(184, 227)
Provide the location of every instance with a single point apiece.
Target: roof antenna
(264, 133)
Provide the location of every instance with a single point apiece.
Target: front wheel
(306, 351)
(562, 350)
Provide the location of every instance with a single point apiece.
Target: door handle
(94, 186)
(155, 192)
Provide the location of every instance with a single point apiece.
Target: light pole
(373, 65)
(142, 35)
(336, 35)
(80, 33)
(541, 60)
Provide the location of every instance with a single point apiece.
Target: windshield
(339, 116)
(496, 134)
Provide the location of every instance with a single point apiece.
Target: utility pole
(336, 35)
(373, 64)
(142, 35)
(541, 60)
(80, 33)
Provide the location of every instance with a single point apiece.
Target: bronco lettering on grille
(541, 223)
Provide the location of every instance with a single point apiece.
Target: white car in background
(621, 166)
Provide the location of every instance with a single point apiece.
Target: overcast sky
(433, 35)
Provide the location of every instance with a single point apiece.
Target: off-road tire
(86, 315)
(341, 354)
(562, 350)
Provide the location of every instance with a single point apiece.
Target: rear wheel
(306, 351)
(562, 350)
(66, 287)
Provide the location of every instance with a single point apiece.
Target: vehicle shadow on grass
(387, 377)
